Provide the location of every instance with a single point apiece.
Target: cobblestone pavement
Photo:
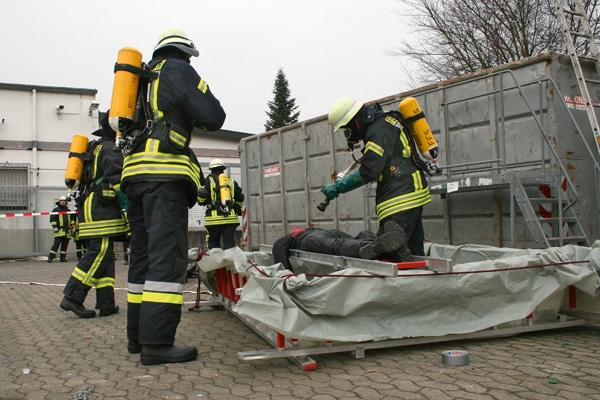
(49, 354)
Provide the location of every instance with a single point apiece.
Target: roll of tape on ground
(455, 357)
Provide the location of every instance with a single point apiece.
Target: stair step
(568, 239)
(555, 219)
(543, 199)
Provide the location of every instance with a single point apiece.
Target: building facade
(37, 124)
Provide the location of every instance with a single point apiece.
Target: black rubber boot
(134, 347)
(77, 308)
(106, 311)
(166, 353)
(392, 239)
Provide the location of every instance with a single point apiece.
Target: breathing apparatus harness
(143, 123)
(354, 135)
(421, 164)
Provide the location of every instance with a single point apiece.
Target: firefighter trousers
(158, 219)
(95, 269)
(224, 232)
(61, 242)
(412, 223)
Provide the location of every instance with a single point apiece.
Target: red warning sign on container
(274, 170)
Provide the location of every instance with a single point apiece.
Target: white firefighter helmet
(343, 111)
(177, 38)
(62, 198)
(216, 163)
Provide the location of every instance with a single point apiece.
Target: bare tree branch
(458, 37)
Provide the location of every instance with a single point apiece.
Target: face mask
(352, 133)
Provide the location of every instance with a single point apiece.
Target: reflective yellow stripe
(135, 298)
(105, 282)
(87, 278)
(152, 162)
(402, 203)
(152, 146)
(375, 148)
(177, 138)
(103, 228)
(202, 86)
(87, 206)
(108, 193)
(154, 92)
(406, 151)
(215, 219)
(417, 181)
(166, 298)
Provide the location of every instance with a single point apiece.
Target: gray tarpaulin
(487, 287)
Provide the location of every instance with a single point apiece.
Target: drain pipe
(34, 166)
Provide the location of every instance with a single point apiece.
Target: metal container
(519, 119)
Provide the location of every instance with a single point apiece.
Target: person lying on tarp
(390, 245)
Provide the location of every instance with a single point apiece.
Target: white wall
(30, 118)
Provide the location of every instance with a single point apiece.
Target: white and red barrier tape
(31, 214)
(244, 226)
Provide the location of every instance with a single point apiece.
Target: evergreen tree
(282, 108)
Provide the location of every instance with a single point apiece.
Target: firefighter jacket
(216, 213)
(99, 210)
(61, 223)
(387, 159)
(180, 100)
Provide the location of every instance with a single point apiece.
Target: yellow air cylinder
(125, 90)
(224, 190)
(74, 163)
(419, 128)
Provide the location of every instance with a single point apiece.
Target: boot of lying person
(391, 240)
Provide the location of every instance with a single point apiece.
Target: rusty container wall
(510, 120)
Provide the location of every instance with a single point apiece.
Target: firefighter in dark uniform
(79, 248)
(101, 222)
(161, 177)
(61, 225)
(402, 188)
(220, 221)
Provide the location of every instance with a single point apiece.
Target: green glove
(122, 199)
(349, 182)
(330, 191)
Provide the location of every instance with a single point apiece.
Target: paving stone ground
(49, 354)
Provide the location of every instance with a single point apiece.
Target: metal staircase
(548, 213)
(577, 13)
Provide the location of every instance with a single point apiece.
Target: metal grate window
(13, 198)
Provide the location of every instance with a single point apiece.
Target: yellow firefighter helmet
(177, 38)
(343, 111)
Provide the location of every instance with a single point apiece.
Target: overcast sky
(327, 48)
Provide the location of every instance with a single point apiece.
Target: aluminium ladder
(577, 11)
(550, 211)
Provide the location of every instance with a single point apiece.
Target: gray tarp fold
(488, 287)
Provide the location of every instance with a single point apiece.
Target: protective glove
(238, 209)
(122, 199)
(330, 191)
(55, 230)
(349, 182)
(203, 196)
